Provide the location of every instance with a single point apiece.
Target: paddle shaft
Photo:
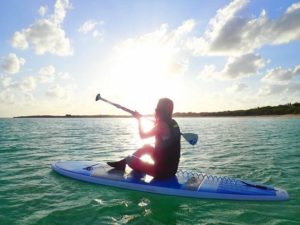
(118, 106)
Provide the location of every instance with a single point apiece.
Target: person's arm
(160, 129)
(143, 134)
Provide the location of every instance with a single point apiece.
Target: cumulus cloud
(231, 34)
(19, 40)
(87, 26)
(93, 27)
(242, 66)
(26, 84)
(276, 89)
(238, 87)
(64, 75)
(235, 68)
(46, 35)
(187, 27)
(43, 10)
(280, 75)
(163, 36)
(5, 81)
(7, 97)
(46, 74)
(60, 92)
(12, 64)
(209, 73)
(293, 88)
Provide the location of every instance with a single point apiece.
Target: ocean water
(264, 149)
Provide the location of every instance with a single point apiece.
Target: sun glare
(147, 159)
(144, 72)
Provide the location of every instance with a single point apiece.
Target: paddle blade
(98, 97)
(190, 138)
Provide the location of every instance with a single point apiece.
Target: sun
(145, 72)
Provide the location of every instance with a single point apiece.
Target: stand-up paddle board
(184, 183)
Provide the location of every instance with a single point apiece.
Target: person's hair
(164, 109)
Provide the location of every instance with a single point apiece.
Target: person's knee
(148, 147)
(129, 160)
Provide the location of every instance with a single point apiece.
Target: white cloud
(230, 34)
(87, 26)
(60, 11)
(43, 10)
(186, 27)
(28, 97)
(60, 92)
(5, 82)
(282, 90)
(235, 68)
(93, 27)
(55, 91)
(293, 88)
(238, 87)
(46, 35)
(64, 75)
(287, 27)
(97, 34)
(46, 74)
(19, 40)
(242, 66)
(47, 70)
(7, 97)
(281, 76)
(12, 64)
(292, 8)
(27, 84)
(208, 73)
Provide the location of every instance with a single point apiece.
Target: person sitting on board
(165, 153)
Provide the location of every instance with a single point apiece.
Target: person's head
(164, 109)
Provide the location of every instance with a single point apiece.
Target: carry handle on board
(189, 137)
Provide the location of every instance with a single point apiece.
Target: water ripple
(260, 149)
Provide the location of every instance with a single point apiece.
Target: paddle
(189, 137)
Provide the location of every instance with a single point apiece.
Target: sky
(57, 55)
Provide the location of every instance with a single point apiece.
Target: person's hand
(137, 115)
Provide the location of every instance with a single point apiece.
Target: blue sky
(55, 56)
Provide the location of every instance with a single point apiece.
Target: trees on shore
(259, 111)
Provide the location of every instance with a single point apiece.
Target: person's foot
(120, 165)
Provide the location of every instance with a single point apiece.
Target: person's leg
(120, 165)
(139, 165)
(145, 150)
(135, 162)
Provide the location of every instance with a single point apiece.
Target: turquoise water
(265, 149)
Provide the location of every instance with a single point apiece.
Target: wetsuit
(167, 152)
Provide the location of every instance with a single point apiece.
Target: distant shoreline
(75, 116)
(288, 110)
(176, 116)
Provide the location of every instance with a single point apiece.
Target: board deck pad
(184, 183)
